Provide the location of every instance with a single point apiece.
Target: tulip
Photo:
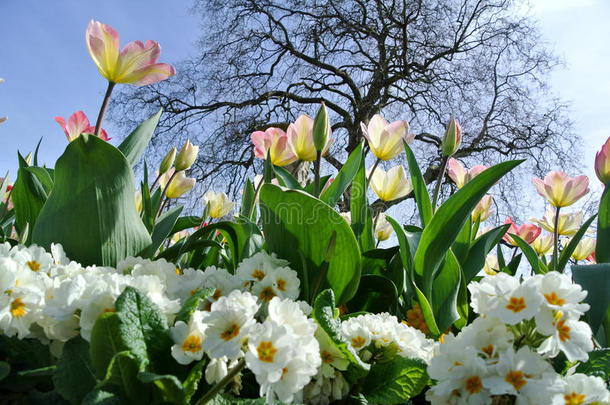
(527, 232)
(460, 175)
(5, 199)
(591, 259)
(134, 64)
(164, 178)
(491, 266)
(385, 140)
(452, 138)
(383, 229)
(78, 123)
(179, 185)
(187, 156)
(219, 204)
(300, 138)
(602, 163)
(168, 161)
(568, 225)
(543, 244)
(321, 129)
(392, 184)
(274, 141)
(138, 200)
(584, 249)
(482, 211)
(561, 190)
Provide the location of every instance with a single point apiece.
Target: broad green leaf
(168, 385)
(595, 279)
(74, 376)
(91, 210)
(191, 383)
(422, 198)
(602, 252)
(286, 178)
(247, 200)
(28, 196)
(135, 144)
(530, 255)
(344, 178)
(309, 189)
(294, 221)
(387, 263)
(122, 375)
(361, 213)
(375, 294)
(324, 314)
(462, 243)
(43, 177)
(105, 342)
(598, 364)
(445, 289)
(162, 230)
(26, 353)
(475, 260)
(186, 223)
(395, 382)
(192, 303)
(101, 397)
(5, 370)
(445, 225)
(243, 236)
(568, 250)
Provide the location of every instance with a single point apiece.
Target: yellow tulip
(543, 244)
(391, 185)
(187, 156)
(569, 223)
(383, 229)
(482, 211)
(179, 185)
(219, 204)
(385, 139)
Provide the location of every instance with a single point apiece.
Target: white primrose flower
(185, 285)
(582, 389)
(99, 297)
(5, 249)
(188, 339)
(488, 336)
(356, 333)
(412, 343)
(66, 297)
(255, 268)
(35, 258)
(561, 294)
(216, 370)
(523, 374)
(332, 358)
(228, 323)
(19, 310)
(322, 390)
(154, 289)
(485, 293)
(571, 336)
(221, 280)
(449, 361)
(286, 282)
(265, 290)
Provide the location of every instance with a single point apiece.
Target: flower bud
(168, 161)
(179, 185)
(187, 156)
(452, 139)
(602, 163)
(321, 129)
(383, 229)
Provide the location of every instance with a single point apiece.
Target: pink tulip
(386, 139)
(452, 138)
(78, 123)
(602, 163)
(460, 175)
(527, 232)
(276, 142)
(134, 64)
(560, 189)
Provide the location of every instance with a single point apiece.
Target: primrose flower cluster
(506, 350)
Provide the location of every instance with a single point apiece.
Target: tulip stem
(439, 182)
(221, 384)
(368, 180)
(316, 186)
(555, 239)
(100, 116)
(164, 195)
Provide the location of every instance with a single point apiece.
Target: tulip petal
(103, 45)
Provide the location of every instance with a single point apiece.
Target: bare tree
(264, 62)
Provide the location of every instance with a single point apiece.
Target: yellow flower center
(230, 332)
(217, 294)
(258, 274)
(563, 330)
(574, 399)
(17, 308)
(178, 271)
(516, 379)
(266, 352)
(267, 294)
(488, 350)
(33, 265)
(358, 342)
(327, 357)
(192, 344)
(516, 304)
(553, 299)
(281, 284)
(106, 310)
(473, 384)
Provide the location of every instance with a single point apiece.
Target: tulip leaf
(475, 260)
(602, 253)
(375, 294)
(43, 177)
(286, 178)
(29, 196)
(135, 144)
(595, 279)
(91, 210)
(309, 189)
(243, 236)
(462, 243)
(445, 290)
(248, 204)
(361, 212)
(530, 254)
(443, 229)
(333, 192)
(294, 221)
(162, 229)
(568, 250)
(186, 223)
(422, 198)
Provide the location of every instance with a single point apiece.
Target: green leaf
(530, 254)
(335, 190)
(105, 342)
(101, 397)
(602, 253)
(191, 383)
(43, 177)
(294, 221)
(162, 230)
(74, 376)
(91, 210)
(168, 385)
(286, 178)
(122, 375)
(324, 314)
(445, 289)
(243, 236)
(135, 144)
(5, 370)
(247, 200)
(475, 260)
(446, 223)
(598, 364)
(422, 198)
(595, 279)
(462, 243)
(395, 382)
(309, 189)
(361, 213)
(192, 303)
(186, 223)
(375, 294)
(568, 250)
(28, 196)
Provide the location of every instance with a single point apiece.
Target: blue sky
(48, 71)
